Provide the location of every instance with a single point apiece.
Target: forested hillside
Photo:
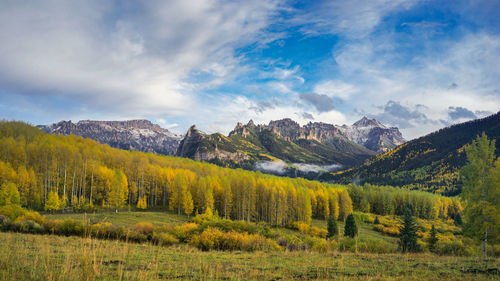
(53, 172)
(429, 163)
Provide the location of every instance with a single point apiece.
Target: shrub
(366, 245)
(317, 244)
(32, 216)
(376, 221)
(106, 230)
(214, 239)
(310, 230)
(6, 224)
(347, 244)
(185, 231)
(135, 236)
(12, 211)
(29, 226)
(164, 239)
(145, 228)
(67, 227)
(452, 248)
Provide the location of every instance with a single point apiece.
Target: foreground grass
(37, 257)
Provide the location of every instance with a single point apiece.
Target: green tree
(376, 221)
(350, 228)
(408, 233)
(333, 229)
(481, 191)
(52, 203)
(458, 219)
(9, 195)
(432, 239)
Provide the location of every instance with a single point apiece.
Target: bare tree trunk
(91, 184)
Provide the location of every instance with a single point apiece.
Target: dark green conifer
(408, 233)
(332, 227)
(350, 228)
(432, 239)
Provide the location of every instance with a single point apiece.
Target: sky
(418, 65)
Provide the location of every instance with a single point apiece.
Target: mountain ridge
(431, 162)
(140, 134)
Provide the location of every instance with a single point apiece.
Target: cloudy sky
(418, 65)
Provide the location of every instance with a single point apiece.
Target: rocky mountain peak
(366, 122)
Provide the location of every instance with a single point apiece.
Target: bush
(32, 216)
(164, 239)
(453, 248)
(317, 244)
(29, 226)
(185, 232)
(67, 227)
(137, 237)
(145, 228)
(106, 230)
(366, 245)
(391, 231)
(214, 239)
(12, 211)
(310, 230)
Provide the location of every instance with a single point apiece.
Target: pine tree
(432, 239)
(350, 228)
(408, 233)
(458, 219)
(332, 227)
(376, 221)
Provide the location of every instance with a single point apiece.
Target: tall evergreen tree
(333, 229)
(376, 221)
(350, 228)
(481, 191)
(432, 241)
(458, 219)
(408, 233)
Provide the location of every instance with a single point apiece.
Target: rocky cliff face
(373, 135)
(315, 143)
(141, 135)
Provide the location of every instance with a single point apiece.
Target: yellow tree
(117, 196)
(52, 203)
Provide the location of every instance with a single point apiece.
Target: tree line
(54, 172)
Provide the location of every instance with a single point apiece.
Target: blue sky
(418, 65)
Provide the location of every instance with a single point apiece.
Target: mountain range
(141, 135)
(314, 143)
(430, 163)
(331, 146)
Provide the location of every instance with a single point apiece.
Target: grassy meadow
(47, 257)
(52, 257)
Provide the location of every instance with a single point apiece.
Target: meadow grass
(125, 218)
(48, 257)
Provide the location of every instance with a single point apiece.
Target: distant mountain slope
(286, 140)
(429, 163)
(141, 135)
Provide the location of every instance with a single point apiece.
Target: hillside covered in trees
(54, 172)
(429, 163)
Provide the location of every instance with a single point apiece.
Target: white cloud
(136, 60)
(353, 19)
(335, 89)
